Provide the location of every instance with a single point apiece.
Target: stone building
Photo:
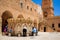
(50, 22)
(16, 12)
(54, 23)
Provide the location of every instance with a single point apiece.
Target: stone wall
(0, 26)
(55, 20)
(14, 7)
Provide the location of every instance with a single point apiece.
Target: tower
(48, 10)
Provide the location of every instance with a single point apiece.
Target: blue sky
(56, 4)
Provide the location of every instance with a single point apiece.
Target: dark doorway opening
(44, 29)
(39, 26)
(6, 15)
(24, 32)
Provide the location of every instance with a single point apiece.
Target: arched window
(31, 9)
(21, 5)
(45, 14)
(27, 7)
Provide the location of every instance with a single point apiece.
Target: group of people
(33, 31)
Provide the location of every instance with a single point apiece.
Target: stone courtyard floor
(41, 36)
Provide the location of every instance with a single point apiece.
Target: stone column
(0, 26)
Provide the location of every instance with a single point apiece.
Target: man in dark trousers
(25, 31)
(34, 31)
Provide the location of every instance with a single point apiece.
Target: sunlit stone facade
(50, 22)
(16, 13)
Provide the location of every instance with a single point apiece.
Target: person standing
(5, 30)
(25, 31)
(34, 31)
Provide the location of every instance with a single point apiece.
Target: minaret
(48, 10)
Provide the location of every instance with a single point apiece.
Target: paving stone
(41, 36)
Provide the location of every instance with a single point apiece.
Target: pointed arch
(5, 15)
(20, 16)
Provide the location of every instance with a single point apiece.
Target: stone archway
(20, 16)
(5, 15)
(24, 31)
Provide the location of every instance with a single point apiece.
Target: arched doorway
(24, 32)
(6, 15)
(23, 24)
